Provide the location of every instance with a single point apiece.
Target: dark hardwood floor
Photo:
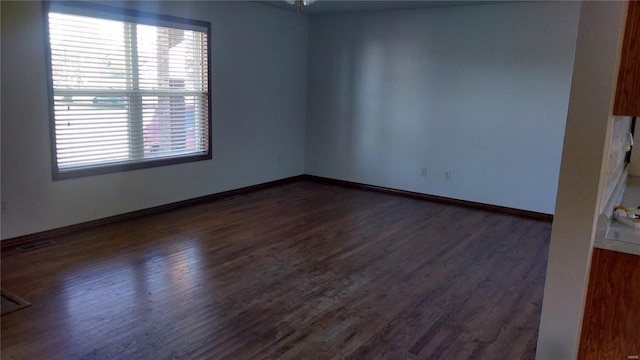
(297, 271)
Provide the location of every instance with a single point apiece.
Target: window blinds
(126, 92)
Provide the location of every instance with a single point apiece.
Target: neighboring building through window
(128, 90)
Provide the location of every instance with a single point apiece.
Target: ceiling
(338, 6)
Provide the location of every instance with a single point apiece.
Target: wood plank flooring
(297, 271)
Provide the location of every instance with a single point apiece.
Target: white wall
(259, 74)
(481, 91)
(582, 177)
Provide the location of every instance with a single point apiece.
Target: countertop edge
(617, 245)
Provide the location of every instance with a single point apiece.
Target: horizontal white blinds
(125, 92)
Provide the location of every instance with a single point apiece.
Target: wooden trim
(39, 236)
(442, 199)
(20, 302)
(626, 101)
(611, 326)
(25, 239)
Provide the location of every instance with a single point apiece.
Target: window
(127, 89)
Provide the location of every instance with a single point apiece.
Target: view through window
(126, 93)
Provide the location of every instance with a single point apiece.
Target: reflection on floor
(297, 271)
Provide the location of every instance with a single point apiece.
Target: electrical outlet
(423, 172)
(447, 175)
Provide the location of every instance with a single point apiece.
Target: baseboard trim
(441, 199)
(39, 236)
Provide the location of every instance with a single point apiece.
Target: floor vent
(34, 246)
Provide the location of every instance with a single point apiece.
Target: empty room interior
(320, 179)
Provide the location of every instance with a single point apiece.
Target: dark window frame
(140, 17)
